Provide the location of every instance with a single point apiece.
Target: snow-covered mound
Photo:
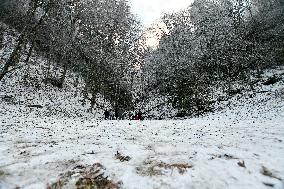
(241, 146)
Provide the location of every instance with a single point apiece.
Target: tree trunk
(64, 73)
(27, 61)
(1, 37)
(23, 39)
(13, 57)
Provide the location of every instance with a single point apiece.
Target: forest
(209, 48)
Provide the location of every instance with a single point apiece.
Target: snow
(34, 151)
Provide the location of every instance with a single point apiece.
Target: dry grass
(121, 157)
(2, 173)
(268, 173)
(182, 167)
(88, 177)
(152, 168)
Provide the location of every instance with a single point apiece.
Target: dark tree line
(93, 39)
(211, 49)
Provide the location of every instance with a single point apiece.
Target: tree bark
(22, 40)
(13, 57)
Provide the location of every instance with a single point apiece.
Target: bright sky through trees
(150, 10)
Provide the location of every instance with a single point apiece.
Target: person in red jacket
(139, 115)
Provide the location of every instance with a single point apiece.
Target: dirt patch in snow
(154, 168)
(82, 177)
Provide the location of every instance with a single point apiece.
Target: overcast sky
(150, 10)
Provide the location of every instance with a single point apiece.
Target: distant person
(107, 114)
(136, 117)
(139, 115)
(116, 114)
(132, 116)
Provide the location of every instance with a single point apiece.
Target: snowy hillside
(241, 146)
(32, 97)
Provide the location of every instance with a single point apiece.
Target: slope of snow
(26, 86)
(34, 151)
(63, 102)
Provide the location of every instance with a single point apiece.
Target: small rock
(242, 163)
(268, 184)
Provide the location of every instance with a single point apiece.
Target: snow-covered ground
(241, 146)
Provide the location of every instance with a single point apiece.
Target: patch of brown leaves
(88, 177)
(182, 167)
(121, 157)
